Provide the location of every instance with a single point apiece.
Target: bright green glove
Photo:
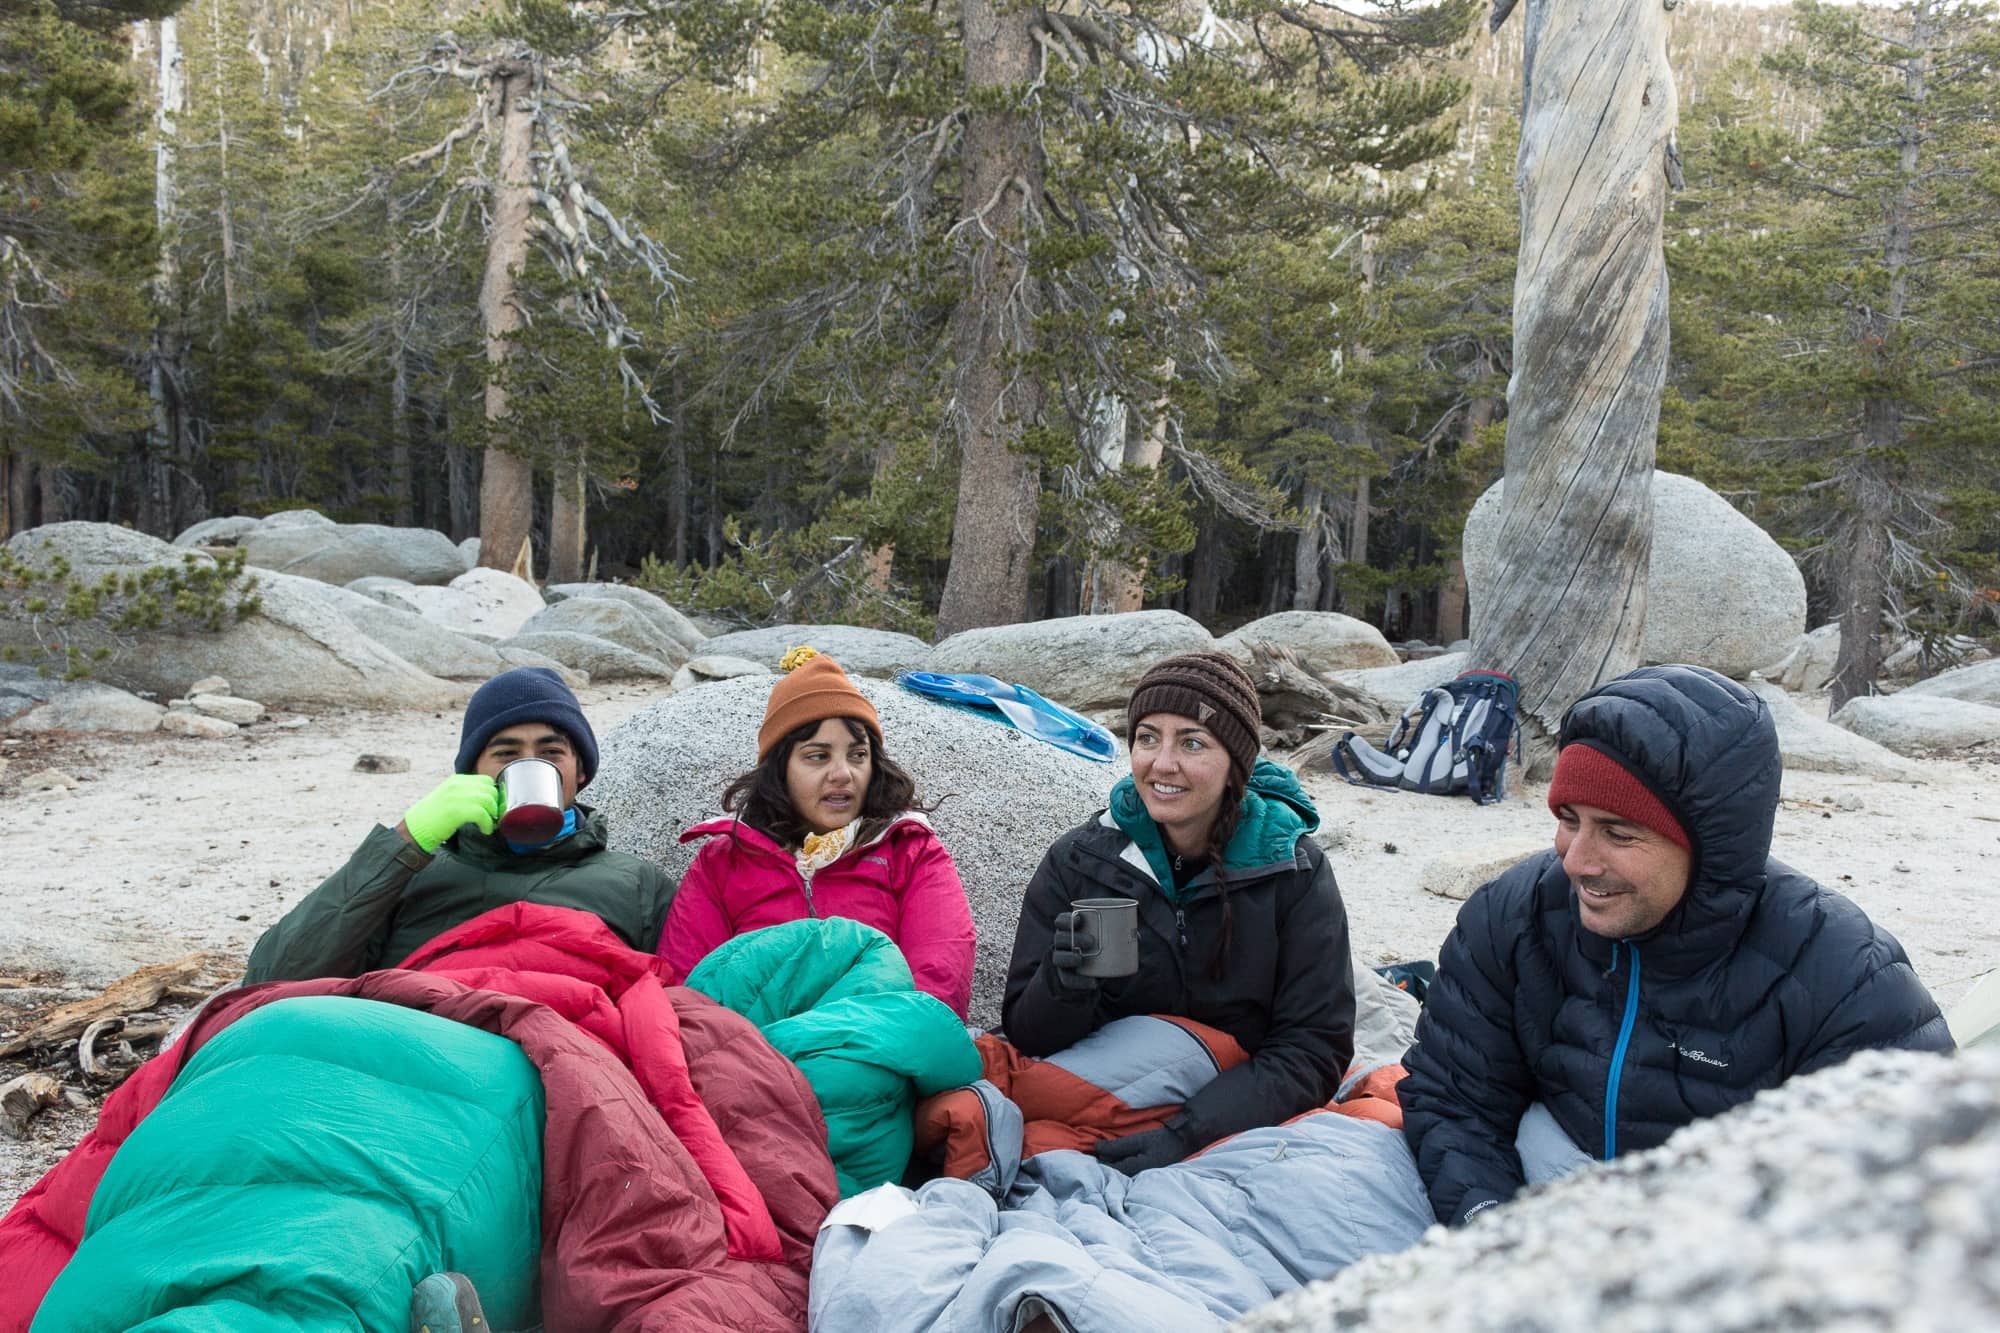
(461, 799)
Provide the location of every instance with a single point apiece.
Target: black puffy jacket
(1285, 990)
(1758, 974)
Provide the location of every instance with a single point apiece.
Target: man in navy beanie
(445, 862)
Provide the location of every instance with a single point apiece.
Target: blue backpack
(1453, 739)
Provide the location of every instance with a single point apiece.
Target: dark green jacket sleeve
(338, 929)
(657, 888)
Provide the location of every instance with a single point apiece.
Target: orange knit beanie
(813, 689)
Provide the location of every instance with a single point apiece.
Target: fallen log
(137, 1028)
(128, 995)
(25, 1098)
(1293, 696)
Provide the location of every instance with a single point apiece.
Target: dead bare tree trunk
(1864, 585)
(1205, 568)
(1357, 527)
(993, 531)
(399, 381)
(507, 481)
(163, 440)
(225, 217)
(1870, 484)
(1590, 357)
(1112, 586)
(54, 510)
(678, 514)
(878, 567)
(1306, 579)
(1143, 450)
(13, 505)
(461, 491)
(567, 536)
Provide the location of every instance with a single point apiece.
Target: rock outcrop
(1721, 593)
(1916, 723)
(709, 667)
(31, 703)
(601, 658)
(656, 609)
(1860, 1197)
(1813, 746)
(293, 543)
(614, 621)
(293, 649)
(1975, 684)
(860, 652)
(1084, 662)
(1323, 641)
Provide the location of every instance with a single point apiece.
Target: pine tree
(1858, 338)
(1048, 193)
(73, 235)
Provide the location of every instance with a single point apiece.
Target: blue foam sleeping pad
(1019, 707)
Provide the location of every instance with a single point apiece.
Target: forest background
(925, 315)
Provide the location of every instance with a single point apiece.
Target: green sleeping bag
(836, 998)
(313, 1162)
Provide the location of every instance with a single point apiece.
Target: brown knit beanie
(1210, 688)
(813, 689)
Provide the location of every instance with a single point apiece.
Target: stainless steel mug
(531, 801)
(1114, 923)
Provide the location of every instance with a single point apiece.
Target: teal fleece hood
(1276, 812)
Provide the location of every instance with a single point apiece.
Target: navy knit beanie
(526, 694)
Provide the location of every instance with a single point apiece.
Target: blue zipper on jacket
(1618, 1053)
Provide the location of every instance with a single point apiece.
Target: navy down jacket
(1758, 974)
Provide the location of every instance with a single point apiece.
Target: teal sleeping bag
(313, 1161)
(835, 998)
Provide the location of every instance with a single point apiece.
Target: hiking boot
(446, 1303)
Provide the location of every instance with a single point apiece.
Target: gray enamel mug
(531, 801)
(1114, 923)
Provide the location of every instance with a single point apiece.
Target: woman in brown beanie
(826, 824)
(1241, 925)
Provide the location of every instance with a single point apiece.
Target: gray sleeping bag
(1184, 1248)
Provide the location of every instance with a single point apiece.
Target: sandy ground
(170, 845)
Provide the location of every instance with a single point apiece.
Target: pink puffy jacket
(902, 883)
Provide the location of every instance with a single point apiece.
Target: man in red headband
(1657, 967)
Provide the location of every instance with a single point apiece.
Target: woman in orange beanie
(826, 824)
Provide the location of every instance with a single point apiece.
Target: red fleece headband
(1587, 776)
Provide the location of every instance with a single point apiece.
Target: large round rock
(671, 622)
(1322, 640)
(611, 619)
(860, 651)
(1006, 796)
(1089, 662)
(1720, 594)
(1860, 1197)
(1975, 684)
(343, 552)
(1917, 723)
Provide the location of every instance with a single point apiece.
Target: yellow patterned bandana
(821, 850)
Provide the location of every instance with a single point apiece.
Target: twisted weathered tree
(1590, 355)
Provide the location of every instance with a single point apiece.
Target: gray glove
(1072, 944)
